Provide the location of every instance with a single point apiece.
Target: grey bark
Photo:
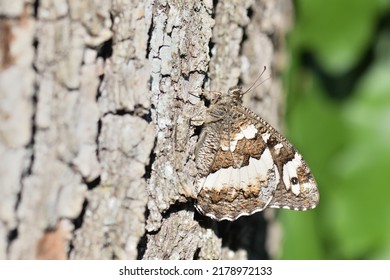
(95, 138)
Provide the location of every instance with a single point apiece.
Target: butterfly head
(235, 94)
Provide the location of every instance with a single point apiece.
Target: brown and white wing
(246, 165)
(297, 188)
(238, 175)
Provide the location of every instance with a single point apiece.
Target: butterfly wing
(297, 188)
(237, 173)
(246, 165)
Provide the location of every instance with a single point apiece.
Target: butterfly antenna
(253, 87)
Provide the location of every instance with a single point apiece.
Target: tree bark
(96, 142)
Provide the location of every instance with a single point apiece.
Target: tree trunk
(96, 142)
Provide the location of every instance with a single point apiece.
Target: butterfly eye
(294, 180)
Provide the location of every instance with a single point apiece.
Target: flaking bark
(96, 142)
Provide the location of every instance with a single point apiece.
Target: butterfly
(245, 165)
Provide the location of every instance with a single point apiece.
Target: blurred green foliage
(338, 117)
